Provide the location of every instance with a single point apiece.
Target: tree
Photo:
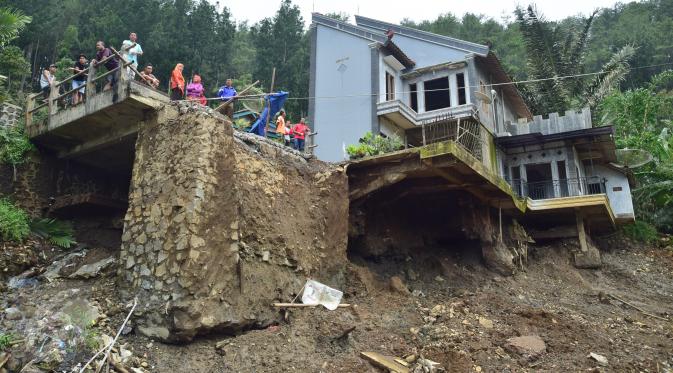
(12, 22)
(643, 119)
(550, 54)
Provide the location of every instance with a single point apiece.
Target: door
(539, 181)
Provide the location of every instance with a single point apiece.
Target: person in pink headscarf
(195, 90)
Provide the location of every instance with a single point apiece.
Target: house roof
(492, 64)
(362, 32)
(394, 50)
(423, 35)
(439, 67)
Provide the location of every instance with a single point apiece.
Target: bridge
(100, 131)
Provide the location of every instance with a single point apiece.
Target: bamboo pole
(268, 114)
(238, 95)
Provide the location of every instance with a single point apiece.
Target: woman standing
(177, 83)
(195, 90)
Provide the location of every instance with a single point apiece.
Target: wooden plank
(385, 362)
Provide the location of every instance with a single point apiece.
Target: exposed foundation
(220, 225)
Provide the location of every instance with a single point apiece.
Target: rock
(93, 269)
(412, 275)
(397, 285)
(600, 359)
(486, 323)
(589, 259)
(439, 278)
(154, 332)
(13, 313)
(418, 293)
(81, 312)
(265, 256)
(438, 310)
(54, 270)
(527, 346)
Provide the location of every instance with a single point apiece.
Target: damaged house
(475, 157)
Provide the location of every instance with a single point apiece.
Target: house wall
(426, 53)
(453, 86)
(620, 200)
(553, 153)
(342, 68)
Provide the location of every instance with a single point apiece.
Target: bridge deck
(99, 132)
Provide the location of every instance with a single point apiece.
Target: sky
(394, 11)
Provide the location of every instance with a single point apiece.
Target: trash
(427, 365)
(317, 293)
(386, 362)
(600, 359)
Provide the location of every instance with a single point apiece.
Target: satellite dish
(482, 97)
(633, 158)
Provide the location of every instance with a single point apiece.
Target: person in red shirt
(300, 130)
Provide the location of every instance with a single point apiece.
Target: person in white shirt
(130, 51)
(47, 79)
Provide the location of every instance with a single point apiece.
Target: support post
(90, 89)
(30, 104)
(51, 100)
(268, 115)
(589, 256)
(581, 233)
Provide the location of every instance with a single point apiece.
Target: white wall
(620, 200)
(341, 121)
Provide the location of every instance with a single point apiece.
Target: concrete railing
(60, 91)
(571, 121)
(388, 107)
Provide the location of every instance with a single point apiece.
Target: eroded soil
(460, 314)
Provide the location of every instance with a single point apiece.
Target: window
(413, 95)
(437, 95)
(460, 79)
(390, 87)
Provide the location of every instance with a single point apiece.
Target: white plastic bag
(317, 293)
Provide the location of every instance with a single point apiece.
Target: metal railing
(60, 91)
(463, 131)
(559, 188)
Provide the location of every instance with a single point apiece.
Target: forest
(628, 45)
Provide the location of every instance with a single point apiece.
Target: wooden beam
(581, 233)
(564, 231)
(377, 183)
(455, 180)
(385, 362)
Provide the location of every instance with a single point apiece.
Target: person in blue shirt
(226, 92)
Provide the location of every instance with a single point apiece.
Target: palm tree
(12, 22)
(550, 54)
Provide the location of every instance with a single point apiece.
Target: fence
(61, 91)
(463, 131)
(559, 188)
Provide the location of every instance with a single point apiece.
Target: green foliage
(6, 340)
(643, 119)
(370, 145)
(14, 222)
(13, 146)
(12, 21)
(641, 231)
(557, 51)
(57, 232)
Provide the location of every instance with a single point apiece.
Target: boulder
(530, 346)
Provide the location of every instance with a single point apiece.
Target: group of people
(293, 135)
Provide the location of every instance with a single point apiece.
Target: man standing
(149, 77)
(227, 92)
(300, 130)
(79, 81)
(111, 64)
(130, 51)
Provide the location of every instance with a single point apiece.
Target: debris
(486, 323)
(427, 366)
(385, 362)
(410, 358)
(345, 333)
(93, 269)
(397, 285)
(302, 305)
(527, 346)
(316, 293)
(418, 293)
(637, 308)
(439, 278)
(600, 359)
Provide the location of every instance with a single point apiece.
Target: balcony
(559, 188)
(405, 117)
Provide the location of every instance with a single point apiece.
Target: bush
(13, 146)
(57, 232)
(641, 231)
(14, 222)
(370, 145)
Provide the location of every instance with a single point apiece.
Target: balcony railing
(559, 188)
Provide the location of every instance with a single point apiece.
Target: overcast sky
(394, 10)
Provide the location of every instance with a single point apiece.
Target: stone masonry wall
(220, 225)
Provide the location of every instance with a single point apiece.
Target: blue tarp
(277, 101)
